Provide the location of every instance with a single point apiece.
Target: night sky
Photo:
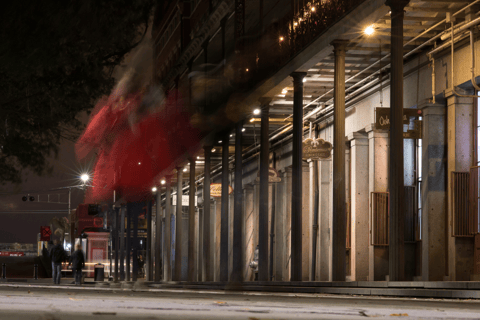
(21, 221)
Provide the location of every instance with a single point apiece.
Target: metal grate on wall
(474, 200)
(410, 214)
(379, 218)
(462, 221)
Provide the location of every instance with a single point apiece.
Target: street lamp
(85, 177)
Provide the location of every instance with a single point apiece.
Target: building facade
(383, 82)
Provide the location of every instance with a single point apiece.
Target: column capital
(357, 136)
(429, 107)
(339, 46)
(298, 76)
(265, 101)
(397, 5)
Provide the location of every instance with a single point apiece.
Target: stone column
(158, 234)
(339, 217)
(167, 250)
(224, 212)
(191, 223)
(396, 187)
(178, 227)
(378, 155)
(264, 199)
(434, 195)
(249, 230)
(359, 206)
(460, 159)
(237, 262)
(207, 256)
(324, 260)
(280, 235)
(296, 231)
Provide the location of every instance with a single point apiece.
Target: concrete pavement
(49, 302)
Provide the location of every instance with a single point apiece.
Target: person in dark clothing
(77, 260)
(57, 255)
(141, 266)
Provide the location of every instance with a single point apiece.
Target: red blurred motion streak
(130, 156)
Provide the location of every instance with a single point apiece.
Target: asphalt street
(35, 303)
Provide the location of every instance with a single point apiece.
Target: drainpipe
(432, 61)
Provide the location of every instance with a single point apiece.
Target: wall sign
(185, 200)
(382, 121)
(316, 149)
(273, 175)
(216, 190)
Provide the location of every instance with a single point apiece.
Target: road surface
(69, 304)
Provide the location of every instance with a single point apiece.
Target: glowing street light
(84, 177)
(162, 182)
(154, 189)
(369, 30)
(256, 111)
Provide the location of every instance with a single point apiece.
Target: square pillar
(460, 159)
(434, 196)
(359, 256)
(324, 256)
(249, 231)
(378, 159)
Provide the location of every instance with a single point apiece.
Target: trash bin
(99, 272)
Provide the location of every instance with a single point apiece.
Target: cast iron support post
(339, 221)
(272, 222)
(395, 180)
(135, 213)
(122, 243)
(158, 235)
(296, 222)
(263, 201)
(128, 246)
(207, 267)
(148, 255)
(178, 228)
(115, 237)
(167, 250)
(237, 261)
(191, 223)
(224, 212)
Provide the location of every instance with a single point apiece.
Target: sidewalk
(417, 289)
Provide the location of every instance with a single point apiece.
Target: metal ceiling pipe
(278, 132)
(452, 48)
(457, 29)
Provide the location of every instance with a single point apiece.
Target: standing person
(141, 265)
(78, 263)
(57, 255)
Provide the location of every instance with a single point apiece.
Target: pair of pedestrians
(59, 256)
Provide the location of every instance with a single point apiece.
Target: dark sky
(21, 221)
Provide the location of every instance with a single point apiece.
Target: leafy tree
(56, 60)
